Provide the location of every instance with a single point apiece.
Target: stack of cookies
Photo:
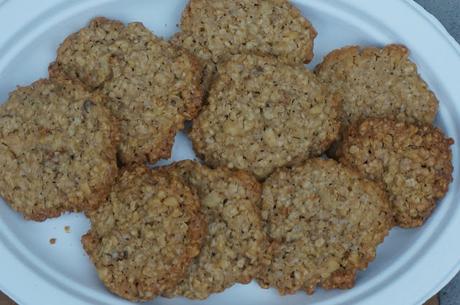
(303, 174)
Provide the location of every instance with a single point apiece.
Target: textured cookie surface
(57, 149)
(325, 222)
(144, 237)
(412, 162)
(153, 86)
(213, 30)
(262, 115)
(235, 246)
(377, 82)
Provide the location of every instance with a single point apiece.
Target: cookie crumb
(67, 229)
(52, 241)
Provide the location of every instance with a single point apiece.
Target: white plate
(411, 265)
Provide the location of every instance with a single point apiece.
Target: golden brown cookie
(235, 247)
(57, 149)
(378, 82)
(262, 114)
(144, 237)
(325, 221)
(412, 162)
(153, 86)
(213, 30)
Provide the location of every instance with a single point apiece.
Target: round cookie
(153, 86)
(212, 30)
(57, 149)
(262, 114)
(144, 237)
(235, 247)
(325, 221)
(412, 162)
(378, 82)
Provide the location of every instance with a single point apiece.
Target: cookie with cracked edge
(325, 221)
(235, 248)
(212, 30)
(262, 114)
(50, 164)
(143, 238)
(153, 86)
(412, 162)
(378, 82)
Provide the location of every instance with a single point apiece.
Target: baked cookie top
(235, 247)
(262, 115)
(325, 221)
(144, 237)
(378, 82)
(153, 86)
(57, 149)
(212, 30)
(412, 162)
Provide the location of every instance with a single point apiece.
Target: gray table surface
(448, 12)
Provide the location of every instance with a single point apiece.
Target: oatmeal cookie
(262, 114)
(325, 221)
(213, 30)
(144, 237)
(378, 82)
(412, 162)
(153, 86)
(235, 248)
(57, 149)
